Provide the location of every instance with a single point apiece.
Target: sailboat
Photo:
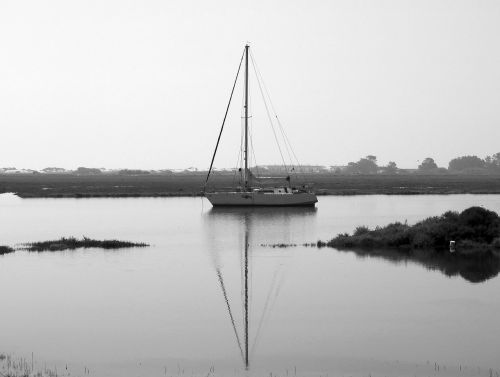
(248, 194)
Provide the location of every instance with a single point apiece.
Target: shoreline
(189, 195)
(191, 185)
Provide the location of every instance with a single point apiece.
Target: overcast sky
(144, 84)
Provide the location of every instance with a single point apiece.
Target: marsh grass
(11, 366)
(72, 243)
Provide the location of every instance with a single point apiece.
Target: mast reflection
(223, 225)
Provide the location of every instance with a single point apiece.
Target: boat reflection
(265, 224)
(261, 213)
(242, 228)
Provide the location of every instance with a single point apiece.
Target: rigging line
(249, 144)
(269, 115)
(270, 100)
(290, 145)
(277, 289)
(242, 137)
(237, 163)
(268, 97)
(221, 281)
(239, 167)
(223, 122)
(253, 153)
(265, 311)
(252, 148)
(285, 137)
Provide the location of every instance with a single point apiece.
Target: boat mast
(246, 175)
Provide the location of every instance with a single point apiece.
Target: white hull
(261, 199)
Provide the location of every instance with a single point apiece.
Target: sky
(144, 84)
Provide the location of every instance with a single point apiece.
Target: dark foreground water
(161, 310)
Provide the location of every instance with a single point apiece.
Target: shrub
(6, 250)
(367, 241)
(360, 230)
(422, 241)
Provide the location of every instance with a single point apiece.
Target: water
(311, 311)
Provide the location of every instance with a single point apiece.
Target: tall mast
(246, 175)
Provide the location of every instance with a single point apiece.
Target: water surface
(139, 311)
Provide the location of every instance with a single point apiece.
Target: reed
(11, 366)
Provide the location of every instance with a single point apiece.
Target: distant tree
(427, 165)
(496, 158)
(133, 172)
(366, 165)
(391, 168)
(165, 171)
(54, 170)
(465, 163)
(88, 171)
(492, 163)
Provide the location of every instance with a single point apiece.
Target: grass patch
(278, 245)
(6, 250)
(72, 243)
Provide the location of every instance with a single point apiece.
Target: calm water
(138, 311)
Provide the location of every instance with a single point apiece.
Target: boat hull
(261, 199)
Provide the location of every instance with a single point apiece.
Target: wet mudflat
(164, 310)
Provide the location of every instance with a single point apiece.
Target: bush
(422, 241)
(367, 242)
(360, 230)
(6, 250)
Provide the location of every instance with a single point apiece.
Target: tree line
(462, 164)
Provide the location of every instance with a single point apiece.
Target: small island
(473, 232)
(72, 243)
